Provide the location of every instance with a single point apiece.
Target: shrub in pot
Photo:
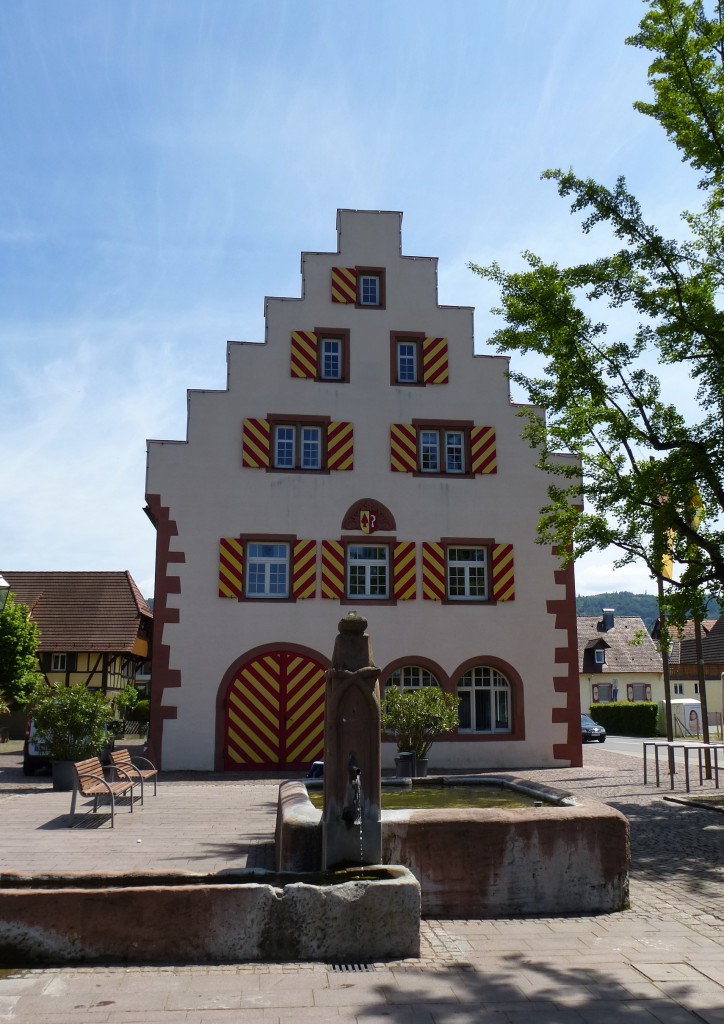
(416, 718)
(69, 723)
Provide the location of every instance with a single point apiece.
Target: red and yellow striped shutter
(344, 284)
(304, 569)
(433, 571)
(256, 444)
(332, 569)
(340, 446)
(434, 361)
(483, 455)
(304, 354)
(403, 448)
(405, 571)
(231, 567)
(503, 573)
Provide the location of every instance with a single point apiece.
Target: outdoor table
(700, 748)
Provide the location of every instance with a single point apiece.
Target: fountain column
(351, 819)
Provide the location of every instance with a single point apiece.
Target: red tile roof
(82, 611)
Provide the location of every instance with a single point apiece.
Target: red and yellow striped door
(275, 713)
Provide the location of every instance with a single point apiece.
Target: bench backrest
(91, 766)
(121, 757)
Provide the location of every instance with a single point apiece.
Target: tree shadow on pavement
(671, 840)
(522, 988)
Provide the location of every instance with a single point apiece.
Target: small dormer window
(600, 656)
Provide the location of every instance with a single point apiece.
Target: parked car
(35, 758)
(590, 730)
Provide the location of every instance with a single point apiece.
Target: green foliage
(70, 720)
(417, 717)
(19, 641)
(624, 718)
(142, 712)
(646, 606)
(686, 77)
(653, 482)
(4, 706)
(125, 701)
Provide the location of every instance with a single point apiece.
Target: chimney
(608, 619)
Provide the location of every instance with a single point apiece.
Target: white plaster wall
(210, 496)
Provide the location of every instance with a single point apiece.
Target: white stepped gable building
(363, 458)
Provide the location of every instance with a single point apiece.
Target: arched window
(485, 701)
(411, 677)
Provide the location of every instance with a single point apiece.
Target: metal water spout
(352, 810)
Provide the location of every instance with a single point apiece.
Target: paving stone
(661, 962)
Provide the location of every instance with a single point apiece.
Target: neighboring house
(363, 458)
(95, 627)
(617, 660)
(684, 670)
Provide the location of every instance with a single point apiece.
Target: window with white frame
(330, 358)
(332, 353)
(638, 691)
(58, 663)
(407, 362)
(467, 573)
(369, 288)
(485, 701)
(267, 570)
(678, 689)
(368, 571)
(696, 689)
(599, 656)
(411, 677)
(441, 450)
(297, 446)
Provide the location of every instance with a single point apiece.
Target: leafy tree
(652, 479)
(19, 641)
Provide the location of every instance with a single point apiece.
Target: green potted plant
(418, 717)
(69, 723)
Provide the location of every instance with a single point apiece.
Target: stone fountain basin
(563, 857)
(227, 917)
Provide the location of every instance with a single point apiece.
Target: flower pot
(403, 764)
(63, 775)
(421, 767)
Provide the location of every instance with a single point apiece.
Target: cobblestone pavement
(662, 960)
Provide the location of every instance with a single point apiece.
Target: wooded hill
(624, 602)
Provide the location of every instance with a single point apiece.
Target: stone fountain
(351, 819)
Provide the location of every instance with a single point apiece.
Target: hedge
(627, 718)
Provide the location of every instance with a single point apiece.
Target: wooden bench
(91, 782)
(139, 770)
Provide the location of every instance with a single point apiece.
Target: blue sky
(164, 163)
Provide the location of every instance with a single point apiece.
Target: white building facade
(362, 458)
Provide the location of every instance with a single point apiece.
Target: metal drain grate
(352, 967)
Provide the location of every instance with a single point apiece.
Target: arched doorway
(274, 713)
